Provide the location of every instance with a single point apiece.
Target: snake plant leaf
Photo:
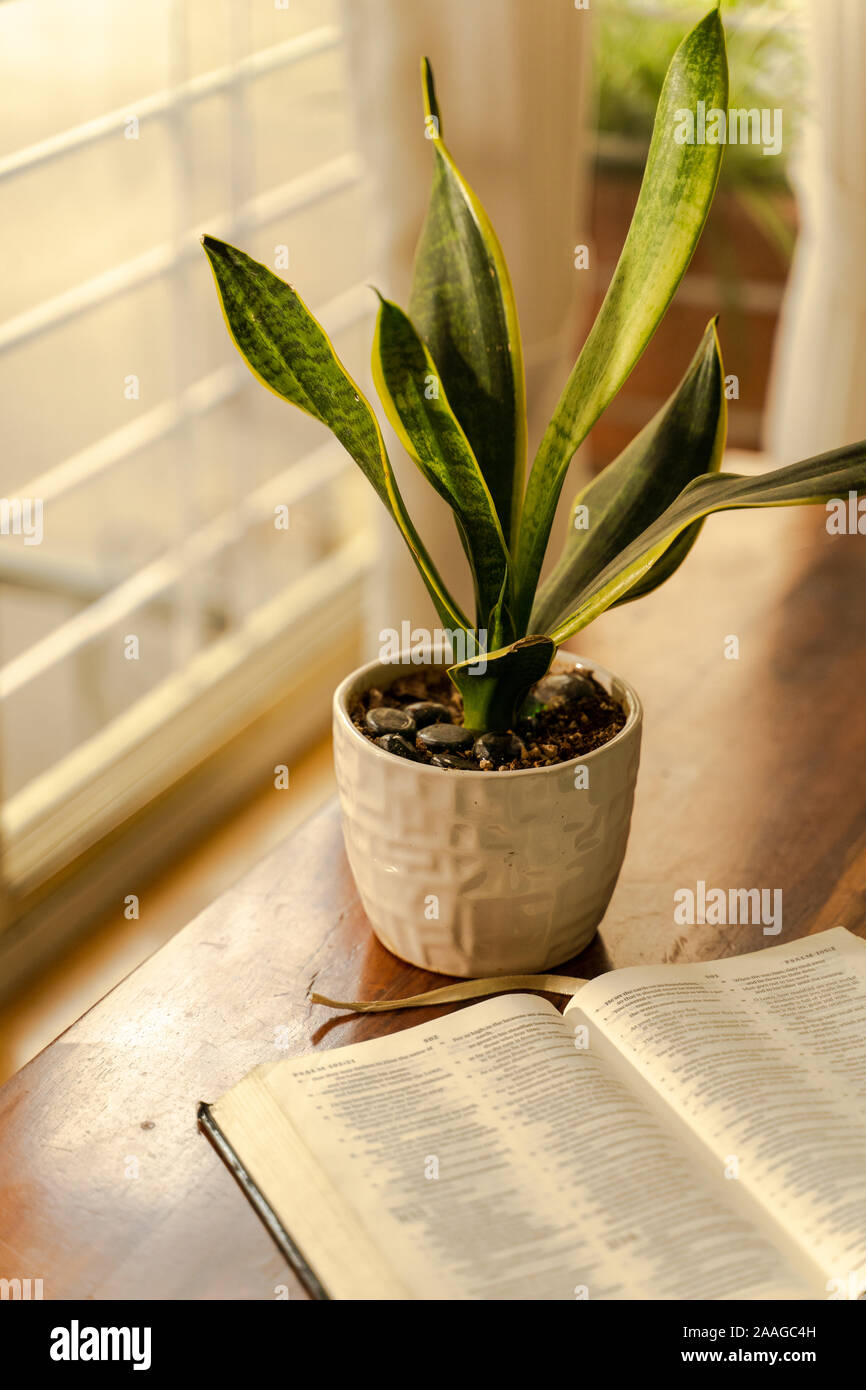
(819, 479)
(665, 566)
(675, 195)
(683, 440)
(285, 347)
(495, 685)
(463, 305)
(418, 408)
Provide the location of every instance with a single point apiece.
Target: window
(182, 555)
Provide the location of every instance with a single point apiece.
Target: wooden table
(752, 776)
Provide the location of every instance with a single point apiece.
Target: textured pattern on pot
(484, 873)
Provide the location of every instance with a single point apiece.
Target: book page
(763, 1057)
(483, 1156)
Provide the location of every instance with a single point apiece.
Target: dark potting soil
(578, 715)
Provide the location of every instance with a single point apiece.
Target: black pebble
(498, 749)
(562, 687)
(454, 760)
(446, 738)
(384, 720)
(429, 712)
(399, 746)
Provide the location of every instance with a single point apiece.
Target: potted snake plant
(486, 810)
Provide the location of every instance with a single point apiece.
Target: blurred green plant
(450, 378)
(634, 43)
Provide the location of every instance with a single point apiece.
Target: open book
(680, 1132)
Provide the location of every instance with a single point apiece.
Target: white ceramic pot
(484, 873)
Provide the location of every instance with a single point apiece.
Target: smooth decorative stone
(399, 746)
(570, 686)
(429, 712)
(454, 760)
(384, 720)
(498, 749)
(446, 738)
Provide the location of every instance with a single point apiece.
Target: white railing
(323, 181)
(165, 103)
(297, 481)
(67, 807)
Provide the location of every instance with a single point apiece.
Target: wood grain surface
(752, 776)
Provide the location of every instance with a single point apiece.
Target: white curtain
(818, 395)
(512, 79)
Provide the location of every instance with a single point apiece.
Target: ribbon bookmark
(453, 994)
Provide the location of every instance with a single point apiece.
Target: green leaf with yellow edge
(285, 347)
(684, 439)
(814, 480)
(675, 196)
(419, 411)
(463, 305)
